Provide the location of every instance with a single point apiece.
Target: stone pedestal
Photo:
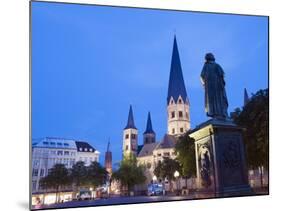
(220, 159)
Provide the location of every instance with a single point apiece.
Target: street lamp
(154, 178)
(176, 175)
(91, 189)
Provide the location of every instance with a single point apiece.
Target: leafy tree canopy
(165, 169)
(254, 118)
(129, 173)
(185, 149)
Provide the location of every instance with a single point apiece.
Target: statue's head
(209, 57)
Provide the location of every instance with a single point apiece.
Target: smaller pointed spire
(246, 97)
(130, 123)
(149, 125)
(108, 144)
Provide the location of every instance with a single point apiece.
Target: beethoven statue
(212, 77)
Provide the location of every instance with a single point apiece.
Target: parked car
(84, 195)
(155, 189)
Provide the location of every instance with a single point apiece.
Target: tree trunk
(171, 185)
(186, 182)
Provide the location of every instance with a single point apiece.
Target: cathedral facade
(150, 152)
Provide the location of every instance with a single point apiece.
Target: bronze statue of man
(212, 77)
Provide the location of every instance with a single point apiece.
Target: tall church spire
(246, 97)
(176, 81)
(177, 100)
(130, 122)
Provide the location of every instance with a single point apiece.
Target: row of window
(55, 143)
(173, 114)
(55, 152)
(132, 147)
(86, 159)
(35, 172)
(165, 154)
(181, 130)
(85, 149)
(60, 152)
(133, 136)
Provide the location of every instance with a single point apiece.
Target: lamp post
(91, 189)
(154, 179)
(176, 175)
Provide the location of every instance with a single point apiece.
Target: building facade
(50, 151)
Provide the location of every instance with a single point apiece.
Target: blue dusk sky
(89, 63)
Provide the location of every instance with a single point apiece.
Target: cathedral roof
(130, 122)
(139, 149)
(147, 149)
(148, 125)
(168, 141)
(176, 81)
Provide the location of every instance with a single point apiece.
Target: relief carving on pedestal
(204, 160)
(231, 155)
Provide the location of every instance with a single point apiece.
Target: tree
(78, 176)
(57, 178)
(96, 174)
(166, 168)
(254, 118)
(129, 173)
(185, 150)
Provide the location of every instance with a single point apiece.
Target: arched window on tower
(172, 114)
(180, 114)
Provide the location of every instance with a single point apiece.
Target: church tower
(108, 160)
(130, 136)
(246, 97)
(149, 134)
(177, 100)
